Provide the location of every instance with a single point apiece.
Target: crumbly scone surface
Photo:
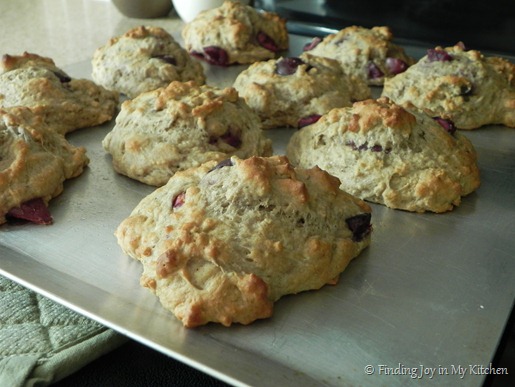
(362, 52)
(244, 34)
(466, 87)
(34, 160)
(65, 104)
(222, 243)
(386, 154)
(183, 125)
(314, 86)
(143, 59)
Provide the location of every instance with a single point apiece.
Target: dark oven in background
(487, 25)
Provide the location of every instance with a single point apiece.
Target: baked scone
(183, 125)
(222, 243)
(143, 59)
(65, 104)
(34, 162)
(296, 91)
(363, 52)
(465, 87)
(235, 33)
(386, 154)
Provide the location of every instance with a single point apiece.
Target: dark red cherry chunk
(396, 66)
(308, 120)
(438, 55)
(373, 71)
(288, 66)
(448, 125)
(231, 139)
(221, 164)
(179, 200)
(267, 42)
(311, 45)
(213, 55)
(360, 226)
(63, 77)
(166, 58)
(33, 210)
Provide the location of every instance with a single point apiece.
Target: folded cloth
(42, 342)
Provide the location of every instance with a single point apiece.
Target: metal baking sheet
(428, 299)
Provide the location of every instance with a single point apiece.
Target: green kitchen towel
(42, 342)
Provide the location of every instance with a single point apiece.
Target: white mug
(188, 9)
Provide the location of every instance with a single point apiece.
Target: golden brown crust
(243, 235)
(234, 27)
(65, 104)
(314, 88)
(183, 125)
(143, 59)
(467, 87)
(386, 154)
(358, 49)
(34, 160)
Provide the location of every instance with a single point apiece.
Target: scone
(222, 243)
(65, 104)
(385, 154)
(143, 59)
(183, 125)
(296, 91)
(34, 162)
(362, 52)
(235, 33)
(465, 87)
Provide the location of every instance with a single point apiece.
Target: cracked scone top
(64, 103)
(235, 33)
(362, 52)
(296, 91)
(143, 59)
(223, 242)
(183, 125)
(385, 154)
(34, 162)
(464, 87)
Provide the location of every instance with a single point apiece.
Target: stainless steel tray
(431, 294)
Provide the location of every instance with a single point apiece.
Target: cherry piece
(267, 42)
(221, 164)
(179, 200)
(360, 226)
(166, 58)
(213, 55)
(33, 210)
(288, 66)
(438, 55)
(373, 71)
(308, 120)
(311, 45)
(448, 125)
(396, 66)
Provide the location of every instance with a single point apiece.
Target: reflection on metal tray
(432, 291)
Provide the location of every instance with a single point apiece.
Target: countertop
(66, 31)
